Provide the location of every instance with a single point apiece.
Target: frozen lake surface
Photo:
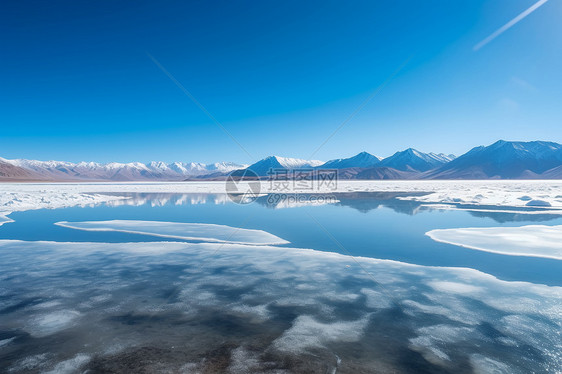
(350, 287)
(530, 240)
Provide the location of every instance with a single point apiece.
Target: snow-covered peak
(225, 167)
(413, 160)
(31, 164)
(442, 156)
(361, 160)
(365, 154)
(292, 163)
(159, 165)
(264, 166)
(88, 165)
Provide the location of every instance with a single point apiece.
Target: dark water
(117, 302)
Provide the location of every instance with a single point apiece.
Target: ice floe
(179, 230)
(518, 194)
(21, 197)
(531, 240)
(4, 219)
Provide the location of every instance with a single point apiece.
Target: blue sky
(77, 82)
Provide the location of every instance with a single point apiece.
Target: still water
(376, 225)
(117, 302)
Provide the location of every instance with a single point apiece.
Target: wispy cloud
(523, 84)
(508, 25)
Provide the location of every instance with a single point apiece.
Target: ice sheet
(500, 193)
(284, 300)
(531, 240)
(21, 197)
(178, 230)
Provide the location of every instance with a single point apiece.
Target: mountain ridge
(264, 166)
(414, 160)
(362, 159)
(500, 160)
(503, 160)
(115, 171)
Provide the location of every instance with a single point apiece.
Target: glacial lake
(199, 307)
(376, 225)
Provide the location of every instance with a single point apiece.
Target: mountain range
(505, 160)
(501, 160)
(135, 171)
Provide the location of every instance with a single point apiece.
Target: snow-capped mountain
(263, 167)
(442, 156)
(414, 160)
(361, 160)
(224, 167)
(14, 172)
(503, 159)
(61, 170)
(192, 168)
